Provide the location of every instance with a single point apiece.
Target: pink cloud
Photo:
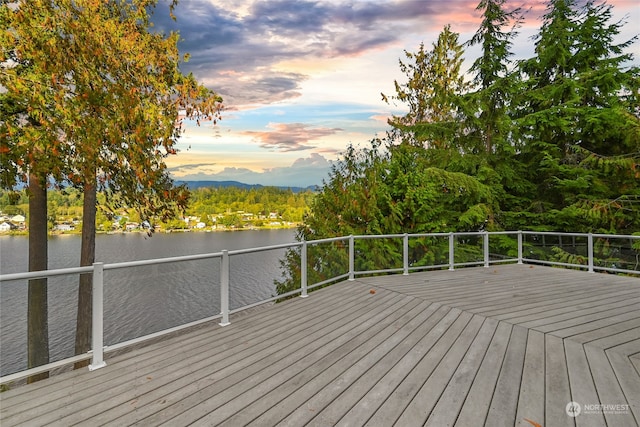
(290, 136)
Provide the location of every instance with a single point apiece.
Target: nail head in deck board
(181, 365)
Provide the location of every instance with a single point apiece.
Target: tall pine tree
(434, 81)
(580, 127)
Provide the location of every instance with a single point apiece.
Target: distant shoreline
(168, 231)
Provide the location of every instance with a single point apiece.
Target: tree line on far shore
(229, 207)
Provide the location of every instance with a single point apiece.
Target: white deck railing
(526, 240)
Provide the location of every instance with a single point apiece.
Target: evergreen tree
(390, 191)
(490, 132)
(494, 85)
(434, 80)
(552, 144)
(580, 129)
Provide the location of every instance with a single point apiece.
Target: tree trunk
(37, 308)
(87, 257)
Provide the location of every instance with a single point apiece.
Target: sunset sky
(302, 79)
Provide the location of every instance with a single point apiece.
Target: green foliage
(101, 94)
(582, 140)
(563, 256)
(396, 191)
(206, 203)
(92, 99)
(548, 143)
(256, 207)
(434, 80)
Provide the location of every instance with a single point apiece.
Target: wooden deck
(499, 346)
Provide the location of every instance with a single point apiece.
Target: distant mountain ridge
(193, 185)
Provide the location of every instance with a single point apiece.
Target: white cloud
(303, 172)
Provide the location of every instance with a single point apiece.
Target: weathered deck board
(396, 402)
(504, 404)
(379, 390)
(557, 386)
(478, 400)
(342, 391)
(607, 385)
(423, 402)
(582, 387)
(357, 335)
(629, 380)
(476, 346)
(530, 404)
(445, 411)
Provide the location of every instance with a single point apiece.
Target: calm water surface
(139, 300)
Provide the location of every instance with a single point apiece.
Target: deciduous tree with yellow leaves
(96, 95)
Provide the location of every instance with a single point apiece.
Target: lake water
(140, 300)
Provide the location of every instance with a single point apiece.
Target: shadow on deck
(507, 345)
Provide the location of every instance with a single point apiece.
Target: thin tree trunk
(87, 257)
(37, 311)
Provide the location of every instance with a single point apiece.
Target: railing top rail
(555, 233)
(442, 234)
(560, 233)
(379, 236)
(45, 273)
(139, 263)
(617, 236)
(429, 235)
(328, 240)
(167, 260)
(470, 233)
(264, 248)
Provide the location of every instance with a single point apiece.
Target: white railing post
(405, 254)
(303, 269)
(590, 250)
(351, 257)
(485, 244)
(452, 259)
(519, 247)
(97, 318)
(224, 288)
